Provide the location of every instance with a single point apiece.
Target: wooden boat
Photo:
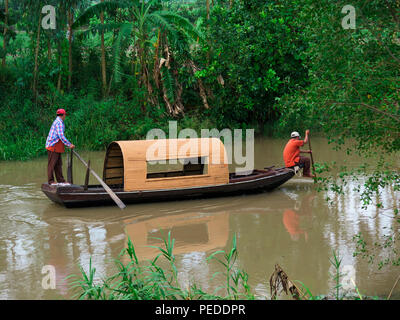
(199, 169)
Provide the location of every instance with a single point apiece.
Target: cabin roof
(170, 148)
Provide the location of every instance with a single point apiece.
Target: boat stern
(54, 192)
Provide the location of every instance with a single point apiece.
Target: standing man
(291, 154)
(55, 147)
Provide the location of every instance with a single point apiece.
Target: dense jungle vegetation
(122, 67)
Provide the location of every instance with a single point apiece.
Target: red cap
(61, 112)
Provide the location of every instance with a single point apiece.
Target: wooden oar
(117, 200)
(311, 155)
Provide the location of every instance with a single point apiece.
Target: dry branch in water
(279, 281)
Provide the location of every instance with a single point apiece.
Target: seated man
(291, 154)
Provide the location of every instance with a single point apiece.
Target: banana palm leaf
(97, 29)
(182, 23)
(97, 9)
(124, 32)
(168, 83)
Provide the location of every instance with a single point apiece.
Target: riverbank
(92, 124)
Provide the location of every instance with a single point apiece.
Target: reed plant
(236, 280)
(135, 281)
(338, 291)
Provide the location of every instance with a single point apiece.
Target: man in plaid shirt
(55, 147)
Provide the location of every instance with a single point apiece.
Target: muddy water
(293, 226)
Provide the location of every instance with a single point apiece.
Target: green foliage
(259, 62)
(336, 263)
(353, 74)
(139, 29)
(372, 252)
(135, 281)
(90, 124)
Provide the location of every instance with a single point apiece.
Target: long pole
(117, 200)
(69, 170)
(311, 155)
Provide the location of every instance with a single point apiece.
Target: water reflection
(75, 237)
(300, 214)
(74, 240)
(197, 232)
(193, 232)
(293, 226)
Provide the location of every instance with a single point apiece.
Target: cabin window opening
(177, 168)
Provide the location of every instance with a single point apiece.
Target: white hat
(294, 134)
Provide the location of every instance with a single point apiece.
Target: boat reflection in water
(196, 235)
(191, 231)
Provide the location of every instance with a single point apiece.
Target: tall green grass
(135, 281)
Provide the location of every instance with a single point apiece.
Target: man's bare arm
(306, 138)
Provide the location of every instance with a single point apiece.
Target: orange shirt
(291, 153)
(58, 147)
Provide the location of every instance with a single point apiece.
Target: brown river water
(293, 226)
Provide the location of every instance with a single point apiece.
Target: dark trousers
(305, 163)
(54, 165)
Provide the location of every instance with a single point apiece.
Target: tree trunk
(103, 56)
(5, 33)
(35, 71)
(49, 49)
(70, 21)
(59, 65)
(208, 9)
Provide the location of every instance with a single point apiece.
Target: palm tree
(147, 31)
(37, 47)
(103, 56)
(5, 32)
(60, 36)
(72, 6)
(70, 35)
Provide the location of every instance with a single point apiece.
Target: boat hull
(76, 196)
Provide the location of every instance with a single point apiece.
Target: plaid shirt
(57, 133)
